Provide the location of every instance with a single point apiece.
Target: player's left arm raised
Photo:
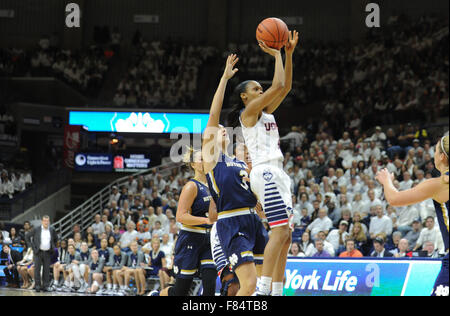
(423, 191)
(289, 50)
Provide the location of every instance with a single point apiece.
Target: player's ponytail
(238, 105)
(188, 157)
(444, 144)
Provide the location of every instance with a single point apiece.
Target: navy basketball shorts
(192, 254)
(440, 287)
(242, 239)
(272, 187)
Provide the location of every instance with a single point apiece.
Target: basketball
(274, 32)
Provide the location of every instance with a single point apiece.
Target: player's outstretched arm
(289, 50)
(253, 109)
(217, 102)
(423, 191)
(210, 133)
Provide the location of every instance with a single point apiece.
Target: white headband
(442, 147)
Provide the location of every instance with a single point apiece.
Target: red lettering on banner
(71, 144)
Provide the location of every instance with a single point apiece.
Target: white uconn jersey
(263, 140)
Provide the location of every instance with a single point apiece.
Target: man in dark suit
(43, 241)
(10, 258)
(379, 250)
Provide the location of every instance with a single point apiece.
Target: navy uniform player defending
(193, 248)
(238, 227)
(436, 189)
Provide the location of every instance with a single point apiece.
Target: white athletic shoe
(82, 288)
(119, 292)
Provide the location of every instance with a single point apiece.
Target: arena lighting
(114, 139)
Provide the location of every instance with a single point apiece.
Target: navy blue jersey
(200, 206)
(227, 185)
(84, 256)
(442, 216)
(94, 266)
(117, 259)
(104, 254)
(133, 260)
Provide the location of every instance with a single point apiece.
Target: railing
(33, 195)
(84, 214)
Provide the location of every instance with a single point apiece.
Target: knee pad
(209, 277)
(181, 287)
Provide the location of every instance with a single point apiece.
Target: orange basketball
(274, 32)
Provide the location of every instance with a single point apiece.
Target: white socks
(263, 285)
(277, 288)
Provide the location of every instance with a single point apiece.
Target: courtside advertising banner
(360, 277)
(131, 162)
(94, 162)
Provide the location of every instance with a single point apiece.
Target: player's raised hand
(230, 71)
(384, 176)
(271, 51)
(292, 42)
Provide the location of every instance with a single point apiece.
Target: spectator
(327, 246)
(431, 251)
(98, 227)
(359, 237)
(379, 250)
(16, 239)
(24, 265)
(96, 265)
(380, 223)
(430, 233)
(157, 261)
(26, 229)
(351, 251)
(402, 249)
(306, 245)
(59, 265)
(413, 235)
(322, 223)
(11, 258)
(135, 268)
(294, 250)
(338, 236)
(128, 237)
(320, 252)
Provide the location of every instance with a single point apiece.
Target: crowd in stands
(339, 207)
(162, 74)
(84, 69)
(399, 73)
(13, 181)
(8, 130)
(138, 223)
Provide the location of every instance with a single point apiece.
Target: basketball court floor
(19, 292)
